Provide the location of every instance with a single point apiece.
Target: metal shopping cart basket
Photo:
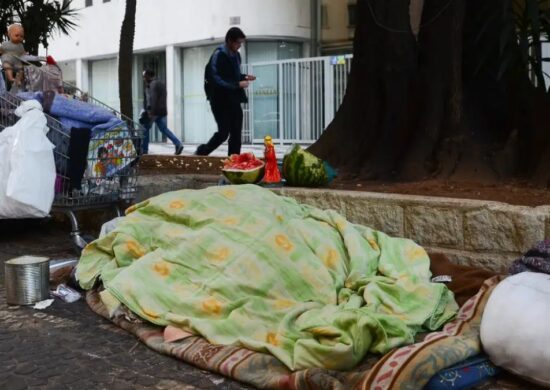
(95, 169)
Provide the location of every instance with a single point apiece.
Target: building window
(104, 81)
(352, 15)
(106, 1)
(88, 3)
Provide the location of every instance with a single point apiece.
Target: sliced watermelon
(242, 161)
(243, 168)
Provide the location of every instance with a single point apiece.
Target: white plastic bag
(514, 327)
(27, 166)
(66, 294)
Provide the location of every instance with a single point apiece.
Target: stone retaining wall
(149, 186)
(483, 233)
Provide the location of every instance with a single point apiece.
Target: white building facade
(175, 38)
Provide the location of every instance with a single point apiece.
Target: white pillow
(515, 328)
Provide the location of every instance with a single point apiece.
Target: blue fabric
(332, 173)
(110, 124)
(73, 113)
(30, 96)
(464, 375)
(69, 124)
(536, 259)
(163, 128)
(67, 121)
(79, 110)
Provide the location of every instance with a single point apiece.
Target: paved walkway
(67, 346)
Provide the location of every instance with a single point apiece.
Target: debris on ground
(66, 294)
(43, 304)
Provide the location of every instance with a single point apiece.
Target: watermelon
(243, 168)
(303, 169)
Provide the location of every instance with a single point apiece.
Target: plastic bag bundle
(27, 167)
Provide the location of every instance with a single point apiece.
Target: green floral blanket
(242, 266)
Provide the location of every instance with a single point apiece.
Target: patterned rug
(411, 367)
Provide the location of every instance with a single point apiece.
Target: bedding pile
(242, 266)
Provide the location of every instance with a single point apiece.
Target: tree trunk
(416, 107)
(125, 58)
(375, 106)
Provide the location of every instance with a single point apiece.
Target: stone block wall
(152, 185)
(483, 233)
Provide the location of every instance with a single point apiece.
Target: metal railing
(294, 100)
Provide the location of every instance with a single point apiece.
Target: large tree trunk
(125, 58)
(415, 106)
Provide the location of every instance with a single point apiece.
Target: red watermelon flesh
(243, 161)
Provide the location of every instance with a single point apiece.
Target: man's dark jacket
(157, 97)
(222, 77)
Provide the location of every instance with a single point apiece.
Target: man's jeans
(163, 128)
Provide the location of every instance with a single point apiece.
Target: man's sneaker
(179, 149)
(200, 151)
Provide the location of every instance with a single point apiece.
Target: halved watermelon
(243, 168)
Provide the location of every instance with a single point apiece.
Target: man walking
(155, 111)
(224, 87)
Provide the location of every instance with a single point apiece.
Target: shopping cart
(95, 169)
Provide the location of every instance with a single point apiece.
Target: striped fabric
(411, 367)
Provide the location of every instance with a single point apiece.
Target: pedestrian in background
(224, 85)
(155, 111)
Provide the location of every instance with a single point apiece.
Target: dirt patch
(516, 193)
(165, 165)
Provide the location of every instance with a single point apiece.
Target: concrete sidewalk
(67, 346)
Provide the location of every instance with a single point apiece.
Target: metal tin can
(27, 280)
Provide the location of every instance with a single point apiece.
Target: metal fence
(294, 100)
